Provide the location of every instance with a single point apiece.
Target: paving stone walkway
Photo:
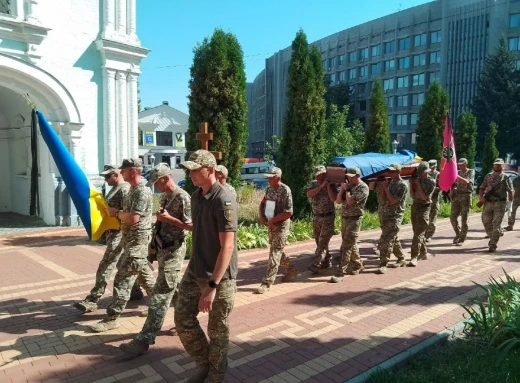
(305, 331)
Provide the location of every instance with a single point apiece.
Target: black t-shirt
(212, 213)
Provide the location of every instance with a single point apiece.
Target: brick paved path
(308, 330)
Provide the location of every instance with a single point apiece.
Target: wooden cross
(204, 137)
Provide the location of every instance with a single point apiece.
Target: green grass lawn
(460, 361)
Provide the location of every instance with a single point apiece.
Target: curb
(403, 356)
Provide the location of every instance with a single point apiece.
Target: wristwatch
(212, 284)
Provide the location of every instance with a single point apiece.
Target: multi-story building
(443, 40)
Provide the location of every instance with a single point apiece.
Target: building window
(418, 79)
(375, 68)
(164, 138)
(332, 78)
(342, 76)
(324, 64)
(390, 47)
(435, 37)
(376, 50)
(352, 57)
(404, 43)
(389, 65)
(513, 43)
(413, 119)
(518, 64)
(363, 54)
(352, 74)
(417, 99)
(390, 102)
(332, 62)
(435, 57)
(419, 60)
(342, 60)
(435, 76)
(401, 119)
(402, 100)
(388, 84)
(361, 88)
(363, 71)
(514, 20)
(402, 82)
(404, 63)
(363, 105)
(419, 40)
(401, 138)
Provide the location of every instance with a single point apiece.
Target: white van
(254, 170)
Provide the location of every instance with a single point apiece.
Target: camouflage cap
(353, 171)
(158, 172)
(222, 169)
(109, 169)
(319, 170)
(432, 163)
(498, 161)
(200, 159)
(131, 163)
(462, 161)
(423, 167)
(395, 166)
(274, 172)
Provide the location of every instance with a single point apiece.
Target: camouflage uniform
(516, 203)
(351, 218)
(420, 215)
(171, 250)
(278, 233)
(323, 217)
(434, 208)
(114, 246)
(461, 204)
(232, 190)
(391, 219)
(496, 187)
(135, 237)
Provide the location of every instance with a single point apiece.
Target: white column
(133, 143)
(109, 116)
(122, 116)
(131, 20)
(109, 15)
(17, 7)
(121, 16)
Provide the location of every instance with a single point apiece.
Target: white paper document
(269, 209)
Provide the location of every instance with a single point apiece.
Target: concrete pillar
(133, 141)
(131, 19)
(122, 116)
(109, 16)
(109, 117)
(121, 17)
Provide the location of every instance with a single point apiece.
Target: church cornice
(116, 54)
(23, 31)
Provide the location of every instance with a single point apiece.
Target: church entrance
(18, 78)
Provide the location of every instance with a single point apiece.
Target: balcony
(5, 7)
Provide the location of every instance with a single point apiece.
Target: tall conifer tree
(377, 134)
(465, 136)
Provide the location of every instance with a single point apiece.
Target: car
(511, 174)
(256, 170)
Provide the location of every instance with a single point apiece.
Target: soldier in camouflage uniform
(460, 195)
(114, 248)
(516, 203)
(221, 173)
(275, 212)
(421, 190)
(378, 187)
(353, 196)
(434, 208)
(209, 283)
(393, 198)
(323, 217)
(135, 220)
(495, 190)
(169, 246)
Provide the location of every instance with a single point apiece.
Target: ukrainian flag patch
(227, 202)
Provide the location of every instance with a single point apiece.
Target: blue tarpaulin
(370, 163)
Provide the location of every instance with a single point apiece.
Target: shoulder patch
(227, 202)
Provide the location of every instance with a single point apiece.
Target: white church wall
(69, 54)
(5, 175)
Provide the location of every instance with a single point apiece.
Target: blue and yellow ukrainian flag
(89, 202)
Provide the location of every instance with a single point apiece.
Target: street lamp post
(394, 146)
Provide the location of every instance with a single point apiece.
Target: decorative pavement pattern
(305, 331)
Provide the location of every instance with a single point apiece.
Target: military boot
(136, 293)
(105, 325)
(201, 373)
(134, 348)
(86, 306)
(291, 274)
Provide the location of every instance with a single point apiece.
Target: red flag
(448, 171)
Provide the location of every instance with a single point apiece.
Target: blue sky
(172, 28)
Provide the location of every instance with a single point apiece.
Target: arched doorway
(18, 78)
